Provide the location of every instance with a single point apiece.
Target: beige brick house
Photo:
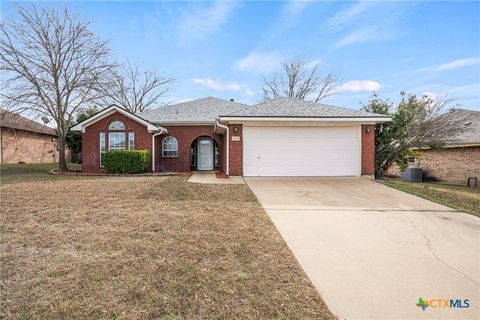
(459, 157)
(25, 141)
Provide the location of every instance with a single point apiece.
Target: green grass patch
(458, 197)
(15, 173)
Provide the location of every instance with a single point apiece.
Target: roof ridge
(246, 107)
(294, 107)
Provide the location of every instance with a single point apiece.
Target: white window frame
(170, 144)
(116, 125)
(102, 142)
(131, 140)
(110, 141)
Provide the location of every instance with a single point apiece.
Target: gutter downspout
(227, 167)
(162, 131)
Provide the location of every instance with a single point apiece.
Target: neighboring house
(459, 157)
(25, 141)
(280, 137)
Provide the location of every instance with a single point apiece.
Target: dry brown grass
(145, 248)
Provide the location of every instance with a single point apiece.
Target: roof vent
(232, 100)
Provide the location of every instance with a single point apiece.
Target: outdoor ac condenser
(412, 174)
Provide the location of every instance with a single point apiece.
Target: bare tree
(301, 81)
(416, 122)
(51, 65)
(136, 90)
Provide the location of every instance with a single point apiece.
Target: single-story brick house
(280, 137)
(26, 141)
(459, 157)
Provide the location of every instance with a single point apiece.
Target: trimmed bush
(127, 161)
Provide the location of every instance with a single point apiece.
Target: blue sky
(223, 48)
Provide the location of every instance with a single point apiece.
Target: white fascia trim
(293, 119)
(108, 111)
(449, 146)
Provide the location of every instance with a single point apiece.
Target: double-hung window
(116, 141)
(103, 148)
(131, 140)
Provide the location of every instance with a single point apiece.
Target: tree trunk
(62, 163)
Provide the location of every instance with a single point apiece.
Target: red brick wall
(236, 150)
(185, 135)
(451, 165)
(29, 147)
(91, 139)
(368, 150)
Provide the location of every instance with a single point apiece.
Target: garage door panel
(300, 151)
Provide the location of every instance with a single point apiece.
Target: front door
(205, 154)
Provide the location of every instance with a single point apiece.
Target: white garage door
(301, 151)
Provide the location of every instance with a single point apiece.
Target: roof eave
(173, 123)
(451, 146)
(80, 127)
(357, 119)
(53, 133)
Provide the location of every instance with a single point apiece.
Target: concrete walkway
(372, 251)
(209, 177)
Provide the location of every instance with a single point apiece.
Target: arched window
(170, 147)
(116, 125)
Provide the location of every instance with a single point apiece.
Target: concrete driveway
(372, 251)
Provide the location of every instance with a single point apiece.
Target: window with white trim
(131, 140)
(116, 141)
(169, 147)
(103, 148)
(116, 125)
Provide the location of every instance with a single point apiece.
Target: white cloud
(374, 33)
(345, 16)
(371, 21)
(430, 94)
(359, 85)
(449, 65)
(362, 35)
(457, 64)
(200, 22)
(233, 86)
(217, 84)
(259, 62)
(249, 93)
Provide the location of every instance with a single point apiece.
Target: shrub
(402, 159)
(127, 161)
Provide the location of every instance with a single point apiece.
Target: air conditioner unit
(412, 174)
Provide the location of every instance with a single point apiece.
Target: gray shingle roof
(469, 130)
(290, 107)
(200, 110)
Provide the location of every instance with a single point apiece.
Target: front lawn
(458, 197)
(13, 173)
(146, 248)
